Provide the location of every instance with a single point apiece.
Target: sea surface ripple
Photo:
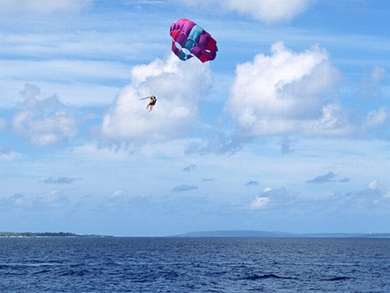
(194, 265)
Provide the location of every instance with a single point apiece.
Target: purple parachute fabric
(189, 39)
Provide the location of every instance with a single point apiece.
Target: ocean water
(194, 265)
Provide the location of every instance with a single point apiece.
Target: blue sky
(286, 130)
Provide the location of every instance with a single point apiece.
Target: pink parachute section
(189, 39)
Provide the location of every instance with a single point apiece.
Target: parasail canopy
(189, 39)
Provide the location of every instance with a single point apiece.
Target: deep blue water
(194, 265)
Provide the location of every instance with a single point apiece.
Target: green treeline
(37, 234)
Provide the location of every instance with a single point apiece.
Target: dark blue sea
(194, 265)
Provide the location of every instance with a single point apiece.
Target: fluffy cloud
(287, 93)
(284, 93)
(265, 10)
(42, 6)
(43, 122)
(116, 199)
(178, 87)
(259, 203)
(375, 189)
(269, 198)
(7, 153)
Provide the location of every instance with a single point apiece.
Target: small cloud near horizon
(184, 187)
(252, 183)
(189, 168)
(60, 180)
(326, 178)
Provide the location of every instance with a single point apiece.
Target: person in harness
(152, 102)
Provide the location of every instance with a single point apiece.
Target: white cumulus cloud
(43, 122)
(259, 203)
(178, 87)
(283, 93)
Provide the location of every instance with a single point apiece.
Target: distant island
(265, 234)
(46, 234)
(207, 234)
